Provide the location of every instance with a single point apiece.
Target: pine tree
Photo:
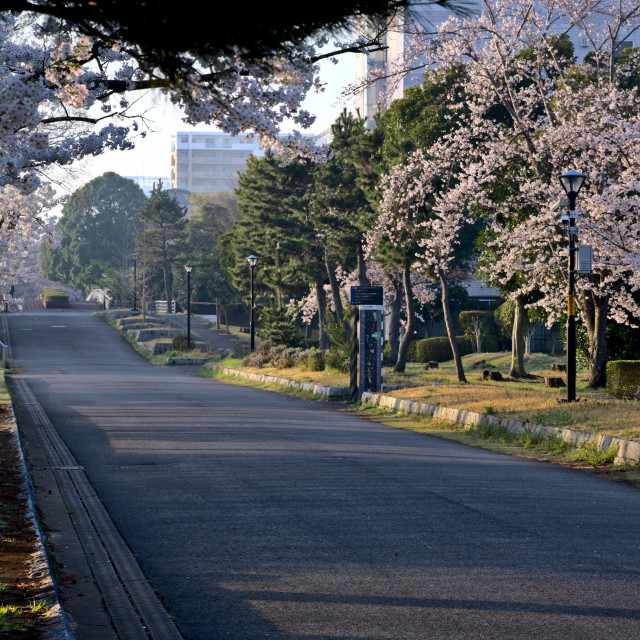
(164, 221)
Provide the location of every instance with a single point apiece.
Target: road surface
(256, 515)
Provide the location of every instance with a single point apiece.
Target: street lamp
(252, 260)
(104, 292)
(188, 268)
(135, 279)
(571, 182)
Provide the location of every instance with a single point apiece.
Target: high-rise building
(205, 162)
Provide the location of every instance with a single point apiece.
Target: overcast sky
(151, 157)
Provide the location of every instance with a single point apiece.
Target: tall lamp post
(571, 181)
(104, 292)
(252, 260)
(135, 278)
(188, 268)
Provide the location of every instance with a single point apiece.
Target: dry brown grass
(327, 378)
(611, 417)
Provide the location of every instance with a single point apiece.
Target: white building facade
(203, 162)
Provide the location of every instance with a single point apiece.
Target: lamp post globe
(252, 260)
(572, 182)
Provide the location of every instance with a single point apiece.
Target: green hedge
(490, 344)
(205, 308)
(623, 378)
(52, 297)
(437, 349)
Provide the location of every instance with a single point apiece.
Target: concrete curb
(40, 564)
(329, 392)
(628, 451)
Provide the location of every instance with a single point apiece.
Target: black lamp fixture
(572, 182)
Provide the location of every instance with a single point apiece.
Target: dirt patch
(21, 612)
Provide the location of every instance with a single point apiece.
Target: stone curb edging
(329, 392)
(40, 565)
(628, 451)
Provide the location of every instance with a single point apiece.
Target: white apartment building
(204, 162)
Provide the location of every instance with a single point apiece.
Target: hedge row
(623, 378)
(205, 308)
(52, 297)
(437, 349)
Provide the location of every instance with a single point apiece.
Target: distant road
(32, 304)
(257, 515)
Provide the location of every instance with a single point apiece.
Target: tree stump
(551, 381)
(492, 375)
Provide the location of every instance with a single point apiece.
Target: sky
(151, 156)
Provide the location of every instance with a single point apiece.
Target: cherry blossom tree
(422, 214)
(531, 113)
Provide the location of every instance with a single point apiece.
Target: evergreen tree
(277, 227)
(212, 216)
(158, 242)
(98, 226)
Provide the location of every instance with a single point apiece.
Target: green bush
(623, 378)
(491, 344)
(205, 308)
(437, 349)
(180, 343)
(335, 358)
(311, 360)
(52, 297)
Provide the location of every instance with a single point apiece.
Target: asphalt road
(256, 515)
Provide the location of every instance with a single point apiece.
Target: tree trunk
(394, 319)
(518, 339)
(595, 310)
(323, 338)
(448, 321)
(403, 350)
(335, 288)
(362, 268)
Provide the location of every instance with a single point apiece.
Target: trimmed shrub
(491, 344)
(204, 308)
(335, 357)
(180, 343)
(437, 349)
(287, 358)
(623, 378)
(54, 298)
(311, 360)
